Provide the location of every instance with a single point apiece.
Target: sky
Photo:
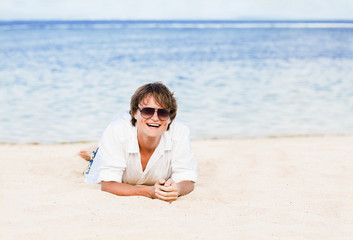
(176, 9)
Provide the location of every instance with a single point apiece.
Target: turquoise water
(64, 81)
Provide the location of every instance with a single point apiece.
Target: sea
(64, 81)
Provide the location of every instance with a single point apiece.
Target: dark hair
(161, 94)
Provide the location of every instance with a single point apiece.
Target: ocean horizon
(343, 23)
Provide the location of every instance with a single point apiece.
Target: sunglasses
(148, 112)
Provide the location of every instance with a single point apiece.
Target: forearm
(185, 187)
(123, 189)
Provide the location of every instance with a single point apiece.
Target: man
(146, 153)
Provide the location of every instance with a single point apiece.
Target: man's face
(150, 127)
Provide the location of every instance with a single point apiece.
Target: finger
(167, 193)
(161, 181)
(168, 189)
(166, 198)
(169, 182)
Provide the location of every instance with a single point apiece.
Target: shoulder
(121, 126)
(178, 130)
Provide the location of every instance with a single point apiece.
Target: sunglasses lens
(147, 112)
(163, 114)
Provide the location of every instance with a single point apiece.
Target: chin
(154, 134)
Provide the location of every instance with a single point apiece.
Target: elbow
(105, 186)
(186, 187)
(192, 186)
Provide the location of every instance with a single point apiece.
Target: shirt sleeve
(184, 167)
(112, 158)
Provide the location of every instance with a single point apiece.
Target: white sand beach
(266, 188)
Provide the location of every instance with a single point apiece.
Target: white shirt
(118, 158)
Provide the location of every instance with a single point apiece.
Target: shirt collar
(164, 145)
(133, 143)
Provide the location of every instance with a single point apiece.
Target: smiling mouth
(153, 125)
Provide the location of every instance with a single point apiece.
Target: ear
(135, 115)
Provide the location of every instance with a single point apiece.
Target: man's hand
(166, 190)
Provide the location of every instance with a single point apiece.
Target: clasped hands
(166, 190)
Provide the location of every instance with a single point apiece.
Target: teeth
(153, 125)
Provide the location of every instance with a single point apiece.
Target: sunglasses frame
(155, 110)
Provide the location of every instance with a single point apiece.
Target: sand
(271, 188)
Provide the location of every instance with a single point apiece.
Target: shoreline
(193, 139)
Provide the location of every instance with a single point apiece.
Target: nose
(155, 115)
